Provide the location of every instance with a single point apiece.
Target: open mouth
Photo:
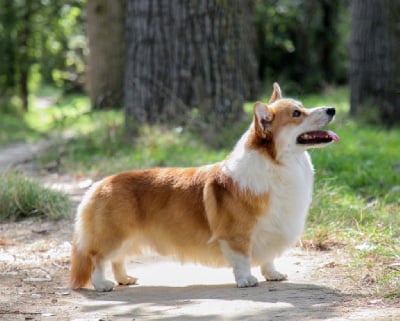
(317, 137)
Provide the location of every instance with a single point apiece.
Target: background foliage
(45, 38)
(303, 42)
(48, 39)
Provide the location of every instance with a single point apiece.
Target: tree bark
(375, 60)
(24, 56)
(184, 54)
(106, 33)
(7, 69)
(329, 34)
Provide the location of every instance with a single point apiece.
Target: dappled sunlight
(92, 88)
(168, 290)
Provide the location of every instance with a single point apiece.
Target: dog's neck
(252, 171)
(248, 168)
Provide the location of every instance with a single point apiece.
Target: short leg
(99, 280)
(120, 275)
(270, 273)
(241, 265)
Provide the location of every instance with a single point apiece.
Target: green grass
(356, 199)
(104, 151)
(21, 197)
(55, 112)
(48, 115)
(14, 130)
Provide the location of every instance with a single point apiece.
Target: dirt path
(34, 264)
(21, 152)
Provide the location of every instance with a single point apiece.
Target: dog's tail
(81, 268)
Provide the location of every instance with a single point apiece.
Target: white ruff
(247, 168)
(290, 197)
(289, 186)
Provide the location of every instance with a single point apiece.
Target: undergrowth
(22, 197)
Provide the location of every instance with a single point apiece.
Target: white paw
(104, 286)
(126, 280)
(275, 276)
(246, 282)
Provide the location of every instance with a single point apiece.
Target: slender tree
(106, 33)
(24, 36)
(328, 32)
(8, 49)
(375, 60)
(184, 54)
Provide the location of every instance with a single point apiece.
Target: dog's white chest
(290, 191)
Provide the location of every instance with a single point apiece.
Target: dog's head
(285, 126)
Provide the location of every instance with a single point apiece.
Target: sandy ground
(34, 265)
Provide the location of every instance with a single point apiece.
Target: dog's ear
(276, 94)
(262, 117)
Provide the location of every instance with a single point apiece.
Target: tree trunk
(184, 54)
(106, 33)
(375, 60)
(24, 56)
(329, 34)
(158, 64)
(249, 47)
(9, 52)
(217, 78)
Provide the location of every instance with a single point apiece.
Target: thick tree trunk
(158, 64)
(249, 47)
(375, 60)
(217, 77)
(184, 54)
(106, 33)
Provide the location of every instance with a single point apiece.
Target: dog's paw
(275, 276)
(104, 286)
(246, 282)
(127, 280)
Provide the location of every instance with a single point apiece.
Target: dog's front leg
(240, 262)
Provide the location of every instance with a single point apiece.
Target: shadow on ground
(268, 301)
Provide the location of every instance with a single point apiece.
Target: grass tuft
(21, 197)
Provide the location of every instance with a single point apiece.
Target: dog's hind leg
(99, 280)
(270, 273)
(120, 275)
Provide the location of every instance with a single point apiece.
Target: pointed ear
(262, 116)
(276, 94)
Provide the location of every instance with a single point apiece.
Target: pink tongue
(333, 136)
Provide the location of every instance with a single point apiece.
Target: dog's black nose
(331, 111)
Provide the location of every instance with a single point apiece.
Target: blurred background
(92, 87)
(160, 60)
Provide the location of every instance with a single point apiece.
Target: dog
(244, 210)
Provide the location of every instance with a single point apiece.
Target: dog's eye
(297, 113)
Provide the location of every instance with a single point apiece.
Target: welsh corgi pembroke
(244, 210)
